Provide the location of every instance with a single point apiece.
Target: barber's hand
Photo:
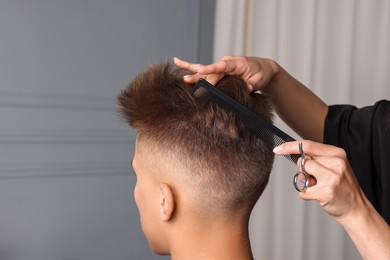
(334, 184)
(257, 72)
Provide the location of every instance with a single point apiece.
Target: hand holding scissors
(326, 176)
(329, 179)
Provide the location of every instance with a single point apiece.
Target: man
(199, 170)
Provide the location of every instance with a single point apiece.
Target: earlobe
(167, 202)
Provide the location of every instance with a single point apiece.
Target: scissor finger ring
(303, 184)
(300, 185)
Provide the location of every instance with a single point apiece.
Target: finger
(317, 191)
(193, 67)
(309, 194)
(312, 179)
(317, 168)
(301, 177)
(214, 78)
(192, 79)
(332, 163)
(218, 70)
(229, 65)
(219, 67)
(311, 148)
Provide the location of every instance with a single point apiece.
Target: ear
(167, 202)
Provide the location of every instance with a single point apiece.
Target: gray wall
(65, 182)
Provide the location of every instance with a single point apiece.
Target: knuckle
(307, 145)
(342, 152)
(339, 152)
(340, 165)
(227, 57)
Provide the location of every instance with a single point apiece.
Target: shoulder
(383, 109)
(346, 124)
(381, 117)
(350, 114)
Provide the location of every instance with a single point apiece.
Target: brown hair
(229, 163)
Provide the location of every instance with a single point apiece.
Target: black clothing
(365, 136)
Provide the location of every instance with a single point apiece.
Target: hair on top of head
(221, 154)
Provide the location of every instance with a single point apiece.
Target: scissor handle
(303, 172)
(305, 184)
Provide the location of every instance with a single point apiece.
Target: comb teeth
(270, 134)
(199, 92)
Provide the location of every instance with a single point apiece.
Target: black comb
(267, 132)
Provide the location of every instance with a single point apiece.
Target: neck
(222, 241)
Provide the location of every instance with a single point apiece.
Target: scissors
(299, 184)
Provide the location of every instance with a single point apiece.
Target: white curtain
(340, 50)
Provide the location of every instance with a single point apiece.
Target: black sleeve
(365, 136)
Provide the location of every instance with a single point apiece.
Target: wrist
(276, 75)
(369, 232)
(360, 211)
(276, 68)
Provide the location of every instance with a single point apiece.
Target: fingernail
(198, 68)
(186, 77)
(277, 149)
